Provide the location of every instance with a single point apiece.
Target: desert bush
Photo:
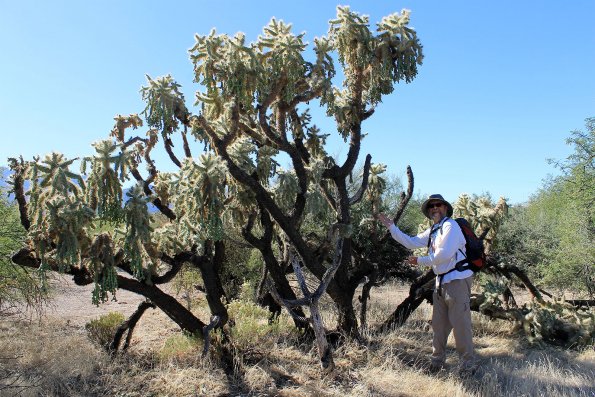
(185, 283)
(551, 237)
(17, 285)
(180, 346)
(252, 325)
(102, 329)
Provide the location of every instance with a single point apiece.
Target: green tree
(553, 236)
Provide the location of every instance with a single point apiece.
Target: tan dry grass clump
(46, 359)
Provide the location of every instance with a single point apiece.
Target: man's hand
(412, 260)
(386, 221)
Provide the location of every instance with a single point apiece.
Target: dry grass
(54, 357)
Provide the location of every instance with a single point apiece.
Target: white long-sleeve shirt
(447, 239)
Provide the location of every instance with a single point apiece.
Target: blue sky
(502, 84)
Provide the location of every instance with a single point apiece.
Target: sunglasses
(435, 205)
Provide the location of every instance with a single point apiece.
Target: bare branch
(187, 151)
(17, 182)
(168, 144)
(366, 174)
(129, 326)
(300, 276)
(164, 209)
(405, 198)
(330, 273)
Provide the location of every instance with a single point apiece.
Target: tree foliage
(19, 287)
(553, 236)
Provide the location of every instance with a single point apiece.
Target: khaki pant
(451, 312)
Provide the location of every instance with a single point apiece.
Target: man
(446, 247)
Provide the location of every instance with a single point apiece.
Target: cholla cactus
(123, 122)
(198, 196)
(161, 186)
(386, 58)
(137, 240)
(554, 321)
(165, 104)
(250, 115)
(376, 186)
(482, 214)
(104, 183)
(242, 152)
(286, 188)
(101, 258)
(266, 165)
(57, 210)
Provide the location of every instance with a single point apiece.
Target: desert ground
(51, 354)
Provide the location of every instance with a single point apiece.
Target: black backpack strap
(434, 230)
(460, 266)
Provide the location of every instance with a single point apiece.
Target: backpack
(475, 258)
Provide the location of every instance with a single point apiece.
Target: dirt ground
(71, 306)
(60, 361)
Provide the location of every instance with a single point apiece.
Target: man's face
(437, 210)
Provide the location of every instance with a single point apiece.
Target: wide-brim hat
(436, 197)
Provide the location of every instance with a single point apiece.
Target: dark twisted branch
(187, 150)
(129, 326)
(405, 197)
(176, 265)
(164, 209)
(355, 127)
(147, 156)
(133, 140)
(507, 269)
(369, 282)
(362, 189)
(264, 106)
(367, 113)
(420, 290)
(273, 270)
(299, 136)
(82, 276)
(262, 196)
(168, 144)
(168, 304)
(17, 182)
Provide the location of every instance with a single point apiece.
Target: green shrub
(179, 346)
(251, 325)
(18, 286)
(185, 281)
(102, 330)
